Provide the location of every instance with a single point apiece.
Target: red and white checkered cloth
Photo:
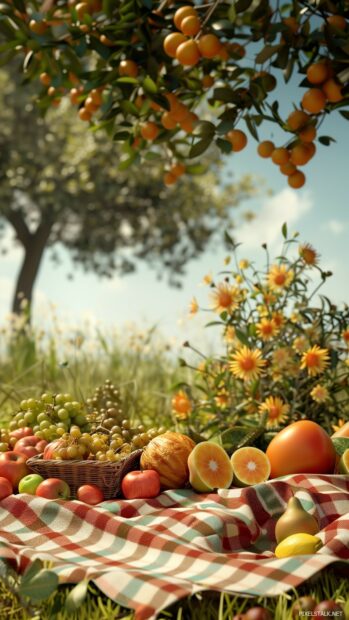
(148, 554)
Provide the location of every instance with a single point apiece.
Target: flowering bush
(285, 354)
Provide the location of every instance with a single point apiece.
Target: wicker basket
(104, 474)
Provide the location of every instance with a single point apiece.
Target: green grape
(36, 428)
(44, 425)
(4, 447)
(23, 405)
(42, 417)
(21, 424)
(60, 399)
(62, 414)
(80, 420)
(29, 417)
(47, 398)
(47, 434)
(13, 425)
(68, 398)
(40, 434)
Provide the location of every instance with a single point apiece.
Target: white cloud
(286, 206)
(335, 226)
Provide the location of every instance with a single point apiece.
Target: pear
(295, 520)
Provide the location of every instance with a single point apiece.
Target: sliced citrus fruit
(209, 467)
(250, 466)
(344, 463)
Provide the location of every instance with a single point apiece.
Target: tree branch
(17, 221)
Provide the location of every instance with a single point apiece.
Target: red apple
(13, 467)
(21, 432)
(51, 448)
(53, 488)
(5, 488)
(141, 484)
(30, 446)
(90, 494)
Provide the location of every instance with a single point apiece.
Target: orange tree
(178, 76)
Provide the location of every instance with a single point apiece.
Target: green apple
(30, 483)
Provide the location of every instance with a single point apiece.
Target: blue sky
(319, 212)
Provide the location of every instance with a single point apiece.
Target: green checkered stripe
(146, 554)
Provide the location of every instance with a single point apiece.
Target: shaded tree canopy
(61, 185)
(179, 76)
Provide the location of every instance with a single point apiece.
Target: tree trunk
(33, 252)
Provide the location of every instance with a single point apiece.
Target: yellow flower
(181, 405)
(319, 393)
(207, 279)
(276, 408)
(238, 278)
(244, 264)
(308, 254)
(262, 310)
(247, 364)
(222, 399)
(282, 357)
(266, 329)
(338, 426)
(194, 306)
(315, 360)
(295, 317)
(269, 298)
(300, 344)
(278, 318)
(345, 336)
(279, 277)
(229, 334)
(225, 297)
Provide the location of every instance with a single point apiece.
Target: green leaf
(121, 136)
(76, 596)
(32, 570)
(242, 337)
(224, 146)
(267, 52)
(126, 163)
(242, 5)
(341, 444)
(200, 147)
(345, 114)
(204, 128)
(284, 230)
(149, 85)
(326, 140)
(251, 127)
(127, 80)
(40, 587)
(238, 436)
(224, 94)
(232, 13)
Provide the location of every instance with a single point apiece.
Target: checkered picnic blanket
(148, 554)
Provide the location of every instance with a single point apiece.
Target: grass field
(142, 365)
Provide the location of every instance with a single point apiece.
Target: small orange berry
(337, 21)
(106, 41)
(188, 53)
(168, 121)
(37, 27)
(300, 154)
(169, 179)
(172, 42)
(297, 119)
(149, 131)
(307, 134)
(90, 105)
(317, 73)
(190, 25)
(265, 148)
(178, 169)
(332, 91)
(280, 156)
(74, 96)
(314, 100)
(291, 24)
(238, 139)
(209, 45)
(188, 125)
(45, 79)
(51, 91)
(96, 97)
(81, 9)
(180, 112)
(296, 180)
(288, 168)
(84, 114)
(182, 13)
(128, 68)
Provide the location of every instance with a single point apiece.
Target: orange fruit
(300, 154)
(307, 134)
(106, 41)
(223, 53)
(209, 45)
(207, 81)
(180, 112)
(337, 21)
(296, 180)
(155, 106)
(178, 169)
(280, 156)
(172, 42)
(169, 179)
(51, 91)
(188, 125)
(96, 96)
(37, 27)
(188, 53)
(332, 91)
(314, 100)
(209, 467)
(297, 119)
(74, 96)
(190, 25)
(149, 131)
(238, 139)
(265, 148)
(84, 114)
(45, 79)
(291, 24)
(317, 73)
(250, 466)
(90, 105)
(172, 99)
(168, 121)
(128, 68)
(81, 9)
(182, 13)
(288, 168)
(235, 49)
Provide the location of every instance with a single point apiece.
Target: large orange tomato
(301, 447)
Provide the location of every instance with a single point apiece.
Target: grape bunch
(50, 416)
(111, 446)
(105, 406)
(5, 440)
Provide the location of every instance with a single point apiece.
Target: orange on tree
(172, 42)
(106, 41)
(332, 91)
(296, 180)
(180, 112)
(297, 119)
(167, 121)
(223, 53)
(128, 68)
(288, 168)
(318, 72)
(238, 139)
(90, 105)
(182, 13)
(209, 45)
(307, 134)
(291, 24)
(190, 26)
(337, 21)
(188, 124)
(314, 100)
(45, 79)
(84, 114)
(96, 96)
(38, 27)
(74, 96)
(51, 91)
(178, 169)
(169, 179)
(155, 106)
(149, 131)
(235, 49)
(300, 154)
(81, 9)
(207, 81)
(265, 148)
(280, 156)
(188, 53)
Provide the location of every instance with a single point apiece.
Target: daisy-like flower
(296, 317)
(262, 310)
(238, 278)
(244, 264)
(194, 306)
(229, 334)
(279, 277)
(308, 254)
(222, 398)
(247, 364)
(319, 393)
(278, 319)
(300, 344)
(266, 329)
(276, 408)
(269, 298)
(225, 297)
(345, 336)
(315, 360)
(181, 405)
(282, 357)
(338, 426)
